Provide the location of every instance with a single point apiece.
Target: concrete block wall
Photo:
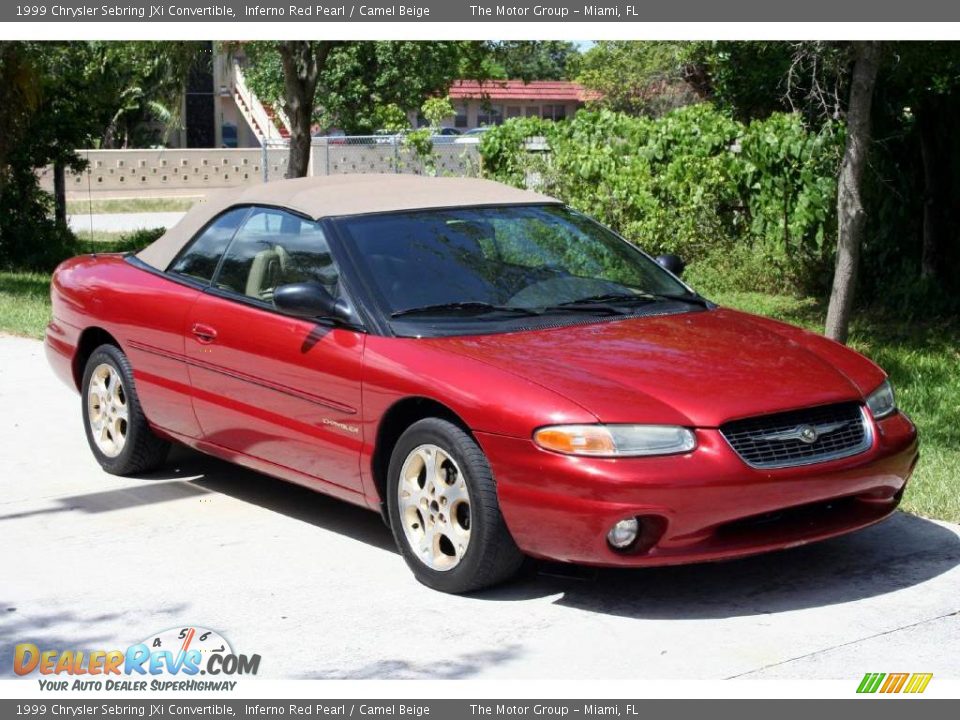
(169, 171)
(175, 171)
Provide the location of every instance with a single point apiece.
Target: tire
(112, 412)
(429, 526)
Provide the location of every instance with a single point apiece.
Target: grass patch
(91, 239)
(25, 296)
(806, 312)
(24, 303)
(923, 360)
(130, 205)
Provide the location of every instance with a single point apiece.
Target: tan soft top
(333, 195)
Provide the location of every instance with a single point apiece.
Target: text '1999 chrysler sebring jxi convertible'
(496, 374)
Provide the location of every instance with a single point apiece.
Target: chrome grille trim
(772, 441)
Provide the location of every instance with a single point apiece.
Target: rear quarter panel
(145, 313)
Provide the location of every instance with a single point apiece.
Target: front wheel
(117, 430)
(444, 510)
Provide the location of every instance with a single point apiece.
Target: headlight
(615, 440)
(882, 401)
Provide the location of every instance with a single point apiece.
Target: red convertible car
(497, 374)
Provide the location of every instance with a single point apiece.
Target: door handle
(204, 333)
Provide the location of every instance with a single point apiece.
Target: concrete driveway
(316, 587)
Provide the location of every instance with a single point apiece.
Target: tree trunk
(936, 193)
(851, 217)
(298, 162)
(303, 61)
(60, 193)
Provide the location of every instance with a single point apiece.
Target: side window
(276, 248)
(200, 259)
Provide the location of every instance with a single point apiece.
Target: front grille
(772, 441)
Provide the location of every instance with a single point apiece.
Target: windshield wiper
(612, 303)
(643, 297)
(600, 303)
(476, 307)
(610, 298)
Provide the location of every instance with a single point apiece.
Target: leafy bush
(790, 178)
(504, 153)
(740, 267)
(125, 242)
(29, 237)
(420, 141)
(390, 117)
(750, 199)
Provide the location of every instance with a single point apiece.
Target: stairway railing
(252, 108)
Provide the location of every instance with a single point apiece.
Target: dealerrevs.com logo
(168, 660)
(889, 683)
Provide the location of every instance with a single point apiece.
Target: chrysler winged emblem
(808, 434)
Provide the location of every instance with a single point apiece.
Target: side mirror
(673, 263)
(310, 300)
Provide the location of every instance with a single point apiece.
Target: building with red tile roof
(492, 101)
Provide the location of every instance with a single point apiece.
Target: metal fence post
(265, 160)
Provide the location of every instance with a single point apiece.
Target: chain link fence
(450, 156)
(274, 160)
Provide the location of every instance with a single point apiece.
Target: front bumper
(706, 505)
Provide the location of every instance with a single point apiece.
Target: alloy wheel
(107, 410)
(434, 503)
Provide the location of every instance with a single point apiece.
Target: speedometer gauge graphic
(182, 639)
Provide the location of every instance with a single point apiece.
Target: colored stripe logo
(894, 683)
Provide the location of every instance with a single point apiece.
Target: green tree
(58, 97)
(748, 80)
(391, 117)
(824, 81)
(303, 62)
(19, 97)
(918, 103)
(851, 214)
(347, 84)
(639, 78)
(66, 110)
(534, 60)
(904, 198)
(144, 82)
(435, 110)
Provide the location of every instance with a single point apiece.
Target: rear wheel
(117, 431)
(444, 510)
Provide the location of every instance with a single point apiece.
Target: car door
(153, 314)
(280, 389)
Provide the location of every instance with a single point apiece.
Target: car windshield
(503, 264)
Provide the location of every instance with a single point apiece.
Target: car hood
(696, 368)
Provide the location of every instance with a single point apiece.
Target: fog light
(624, 533)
